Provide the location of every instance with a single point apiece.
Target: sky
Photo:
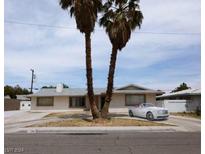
(165, 52)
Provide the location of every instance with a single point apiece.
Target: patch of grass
(59, 114)
(69, 114)
(187, 114)
(98, 122)
(77, 114)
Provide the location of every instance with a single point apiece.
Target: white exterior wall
(117, 103)
(25, 105)
(151, 98)
(33, 103)
(60, 103)
(118, 100)
(173, 105)
(181, 105)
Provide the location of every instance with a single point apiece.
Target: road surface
(111, 143)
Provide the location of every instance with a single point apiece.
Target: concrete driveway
(188, 124)
(185, 124)
(13, 120)
(22, 116)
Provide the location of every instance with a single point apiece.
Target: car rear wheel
(130, 113)
(150, 116)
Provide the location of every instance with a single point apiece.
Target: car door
(134, 110)
(142, 111)
(138, 111)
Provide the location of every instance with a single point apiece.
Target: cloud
(166, 15)
(59, 54)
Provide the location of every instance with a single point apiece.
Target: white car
(149, 111)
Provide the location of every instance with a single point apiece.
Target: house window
(134, 99)
(45, 101)
(75, 102)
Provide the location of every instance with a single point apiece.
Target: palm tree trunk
(90, 93)
(109, 90)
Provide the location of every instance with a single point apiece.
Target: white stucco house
(182, 101)
(76, 98)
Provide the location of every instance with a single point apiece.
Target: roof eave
(186, 94)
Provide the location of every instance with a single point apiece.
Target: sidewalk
(79, 130)
(186, 118)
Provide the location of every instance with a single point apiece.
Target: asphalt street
(107, 143)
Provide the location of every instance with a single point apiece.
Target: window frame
(126, 95)
(37, 102)
(81, 97)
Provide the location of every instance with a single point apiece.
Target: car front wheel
(130, 113)
(150, 116)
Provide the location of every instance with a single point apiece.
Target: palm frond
(119, 22)
(72, 10)
(85, 12)
(136, 20)
(65, 4)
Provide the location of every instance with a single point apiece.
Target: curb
(94, 130)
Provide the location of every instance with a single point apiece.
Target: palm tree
(85, 13)
(119, 19)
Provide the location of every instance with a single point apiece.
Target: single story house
(60, 98)
(25, 102)
(181, 101)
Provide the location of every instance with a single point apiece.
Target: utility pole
(32, 77)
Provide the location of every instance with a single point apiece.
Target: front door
(102, 102)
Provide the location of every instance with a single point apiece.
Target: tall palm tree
(85, 13)
(119, 19)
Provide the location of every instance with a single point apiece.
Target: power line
(65, 27)
(39, 25)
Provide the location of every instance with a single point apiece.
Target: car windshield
(148, 105)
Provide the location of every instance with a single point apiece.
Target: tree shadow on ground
(117, 115)
(88, 116)
(75, 116)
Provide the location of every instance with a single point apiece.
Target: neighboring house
(71, 98)
(181, 101)
(25, 102)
